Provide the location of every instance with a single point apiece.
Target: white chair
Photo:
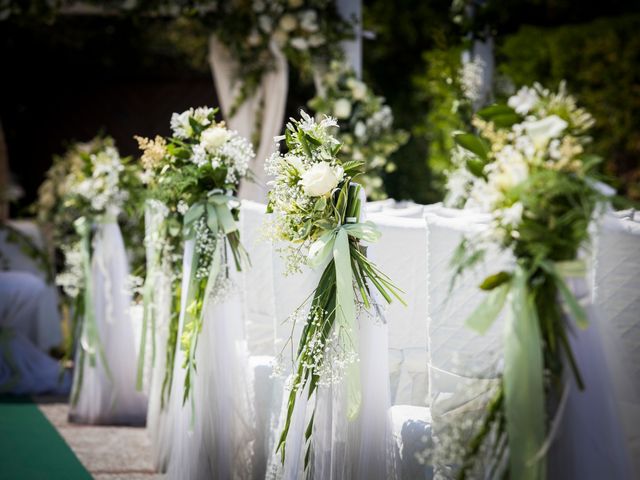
(401, 254)
(616, 296)
(378, 205)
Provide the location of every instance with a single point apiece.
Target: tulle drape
(107, 394)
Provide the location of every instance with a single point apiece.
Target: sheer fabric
(106, 394)
(214, 429)
(341, 448)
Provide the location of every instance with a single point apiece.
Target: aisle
(107, 453)
(30, 447)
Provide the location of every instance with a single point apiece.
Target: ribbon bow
(336, 243)
(218, 213)
(523, 371)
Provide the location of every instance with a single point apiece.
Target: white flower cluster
(287, 23)
(328, 357)
(550, 135)
(181, 122)
(303, 176)
(212, 143)
(102, 189)
(71, 279)
(205, 244)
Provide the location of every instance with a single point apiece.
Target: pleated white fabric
(109, 397)
(214, 430)
(269, 100)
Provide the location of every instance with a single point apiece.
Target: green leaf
(476, 167)
(495, 280)
(486, 313)
(473, 143)
(496, 110)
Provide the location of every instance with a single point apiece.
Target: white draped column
(269, 100)
(351, 10)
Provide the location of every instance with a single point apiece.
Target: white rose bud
(288, 22)
(342, 108)
(321, 179)
(213, 138)
(541, 131)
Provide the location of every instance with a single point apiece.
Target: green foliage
(602, 69)
(447, 113)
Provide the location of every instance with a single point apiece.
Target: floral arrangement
(195, 174)
(89, 184)
(89, 181)
(530, 169)
(303, 29)
(316, 209)
(365, 124)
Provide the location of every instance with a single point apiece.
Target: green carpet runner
(31, 448)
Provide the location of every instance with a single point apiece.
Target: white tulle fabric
(103, 398)
(158, 423)
(589, 442)
(269, 101)
(44, 327)
(361, 448)
(213, 432)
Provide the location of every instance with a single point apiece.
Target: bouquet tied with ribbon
(528, 166)
(195, 174)
(317, 211)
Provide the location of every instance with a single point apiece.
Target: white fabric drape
(269, 101)
(158, 423)
(112, 398)
(213, 432)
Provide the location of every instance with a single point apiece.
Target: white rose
(316, 40)
(524, 100)
(308, 21)
(342, 108)
(321, 179)
(280, 37)
(541, 131)
(213, 138)
(288, 22)
(299, 43)
(358, 88)
(265, 24)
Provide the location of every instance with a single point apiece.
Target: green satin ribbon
(523, 384)
(524, 366)
(217, 211)
(335, 243)
(89, 344)
(219, 219)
